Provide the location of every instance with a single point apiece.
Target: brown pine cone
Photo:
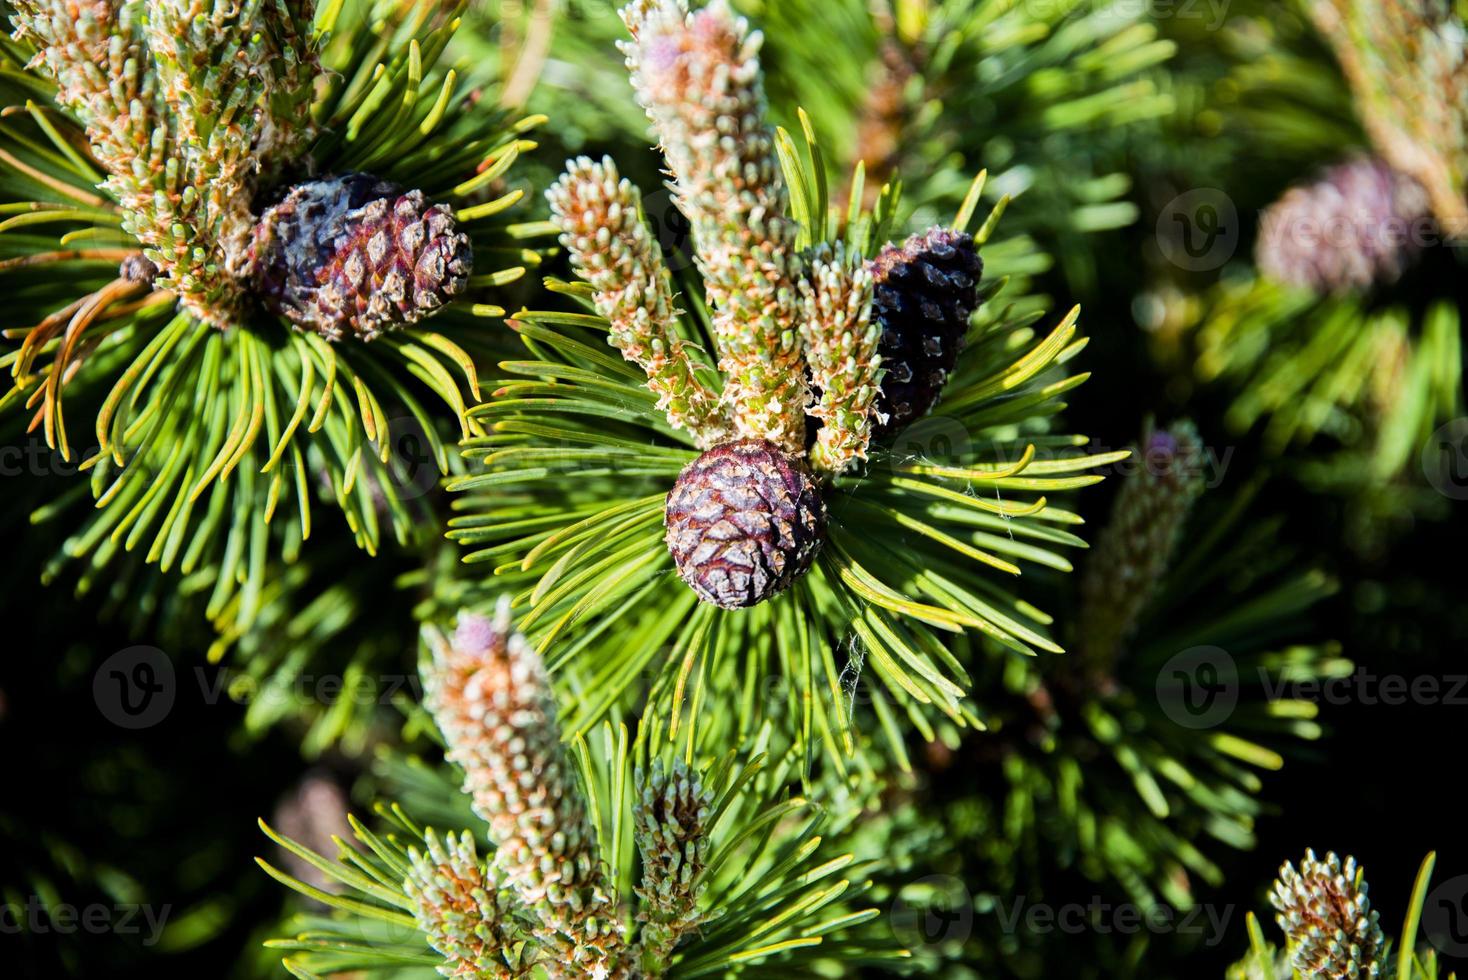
(356, 255)
(926, 290)
(744, 521)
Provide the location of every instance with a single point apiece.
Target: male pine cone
(1323, 909)
(926, 290)
(353, 254)
(744, 521)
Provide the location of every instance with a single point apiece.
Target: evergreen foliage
(624, 453)
(218, 431)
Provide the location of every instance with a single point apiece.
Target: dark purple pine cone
(355, 254)
(744, 521)
(925, 293)
(1359, 223)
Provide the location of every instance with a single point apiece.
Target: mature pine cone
(744, 521)
(1360, 223)
(355, 254)
(1328, 920)
(925, 292)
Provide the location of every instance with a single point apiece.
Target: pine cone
(355, 254)
(1327, 918)
(1360, 223)
(925, 293)
(744, 521)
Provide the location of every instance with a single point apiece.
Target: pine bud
(459, 906)
(354, 254)
(1323, 909)
(698, 77)
(1360, 223)
(744, 521)
(1136, 546)
(599, 214)
(926, 290)
(490, 696)
(672, 838)
(841, 350)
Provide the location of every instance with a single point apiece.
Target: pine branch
(212, 445)
(735, 873)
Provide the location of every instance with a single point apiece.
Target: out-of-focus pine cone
(1132, 552)
(1327, 919)
(1360, 223)
(926, 290)
(313, 813)
(744, 521)
(356, 255)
